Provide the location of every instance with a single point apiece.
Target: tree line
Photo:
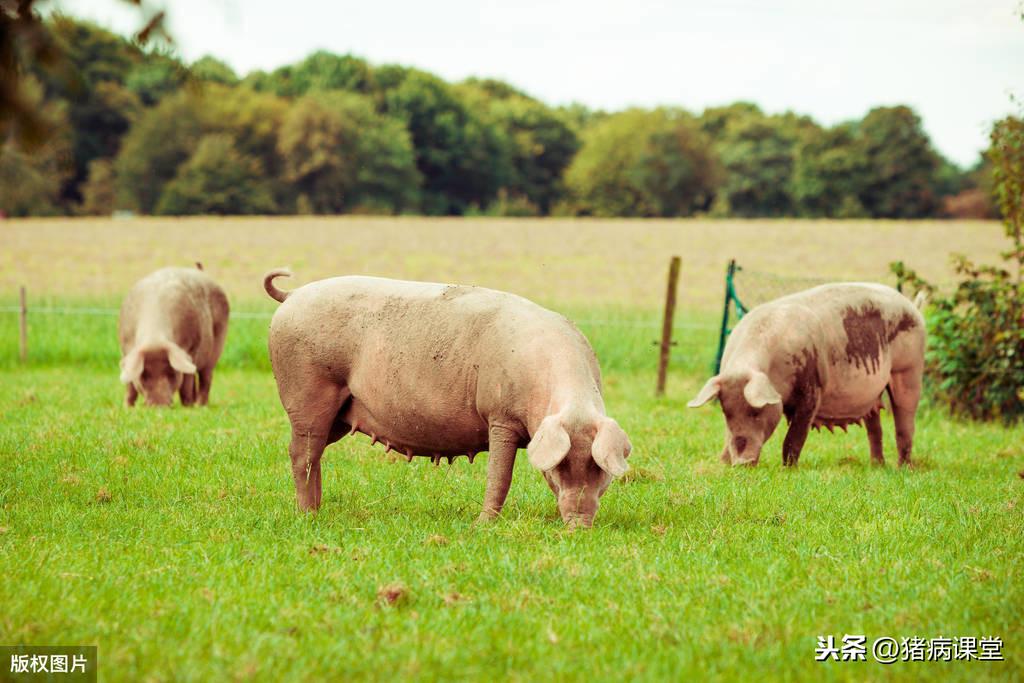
(136, 129)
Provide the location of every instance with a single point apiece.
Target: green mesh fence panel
(745, 289)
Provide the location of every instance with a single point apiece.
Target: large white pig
(440, 371)
(172, 328)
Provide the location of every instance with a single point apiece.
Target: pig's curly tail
(268, 283)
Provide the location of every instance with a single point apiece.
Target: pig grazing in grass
(821, 357)
(172, 328)
(441, 371)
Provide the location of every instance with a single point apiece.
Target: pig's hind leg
(905, 392)
(313, 418)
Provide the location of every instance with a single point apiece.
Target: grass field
(170, 540)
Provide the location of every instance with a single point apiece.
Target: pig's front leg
(502, 444)
(205, 381)
(799, 426)
(131, 395)
(188, 390)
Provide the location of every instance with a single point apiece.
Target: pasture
(170, 538)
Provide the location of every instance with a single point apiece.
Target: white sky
(955, 61)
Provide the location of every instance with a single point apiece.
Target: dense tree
(644, 163)
(320, 71)
(156, 77)
(99, 192)
(463, 159)
(89, 79)
(167, 135)
(393, 138)
(254, 121)
(580, 117)
(31, 179)
(714, 120)
(212, 70)
(828, 176)
(217, 179)
(542, 142)
(340, 154)
(758, 154)
(901, 165)
(30, 182)
(89, 54)
(162, 139)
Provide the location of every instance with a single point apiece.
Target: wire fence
(755, 288)
(266, 315)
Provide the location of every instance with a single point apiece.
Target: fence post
(23, 325)
(666, 326)
(724, 331)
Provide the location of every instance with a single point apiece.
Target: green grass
(170, 539)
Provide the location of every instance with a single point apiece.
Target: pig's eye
(753, 412)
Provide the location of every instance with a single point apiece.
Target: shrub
(976, 339)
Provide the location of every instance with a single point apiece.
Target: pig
(172, 328)
(440, 371)
(821, 357)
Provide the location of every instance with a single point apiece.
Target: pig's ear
(710, 390)
(611, 448)
(180, 360)
(131, 366)
(759, 391)
(549, 444)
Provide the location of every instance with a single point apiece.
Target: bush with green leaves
(975, 358)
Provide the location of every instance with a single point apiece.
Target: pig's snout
(577, 508)
(577, 521)
(158, 401)
(745, 451)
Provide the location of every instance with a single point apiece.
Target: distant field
(170, 539)
(574, 263)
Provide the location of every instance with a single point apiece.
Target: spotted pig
(823, 358)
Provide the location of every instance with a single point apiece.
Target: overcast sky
(955, 61)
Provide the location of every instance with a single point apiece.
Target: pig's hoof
(574, 523)
(487, 517)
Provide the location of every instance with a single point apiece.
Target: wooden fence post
(666, 326)
(23, 326)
